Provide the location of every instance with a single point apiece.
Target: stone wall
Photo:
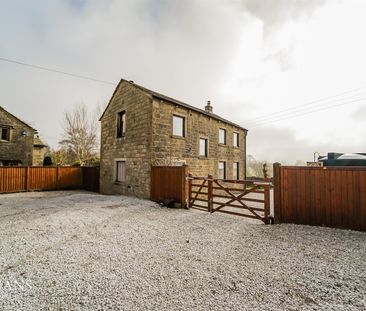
(19, 147)
(38, 155)
(134, 147)
(167, 148)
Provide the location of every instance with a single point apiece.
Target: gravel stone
(74, 250)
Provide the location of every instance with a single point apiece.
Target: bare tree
(256, 168)
(300, 163)
(61, 157)
(80, 134)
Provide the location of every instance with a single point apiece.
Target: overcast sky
(251, 58)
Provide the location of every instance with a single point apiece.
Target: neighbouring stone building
(140, 128)
(19, 142)
(39, 151)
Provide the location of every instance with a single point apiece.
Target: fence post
(266, 203)
(184, 185)
(57, 177)
(210, 194)
(277, 192)
(26, 178)
(189, 190)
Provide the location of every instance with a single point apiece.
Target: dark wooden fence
(321, 196)
(20, 178)
(168, 183)
(91, 178)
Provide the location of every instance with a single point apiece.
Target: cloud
(283, 58)
(281, 144)
(359, 114)
(275, 16)
(275, 13)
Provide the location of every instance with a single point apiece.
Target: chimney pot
(208, 107)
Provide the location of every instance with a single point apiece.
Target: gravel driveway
(83, 251)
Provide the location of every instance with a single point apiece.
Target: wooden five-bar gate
(235, 197)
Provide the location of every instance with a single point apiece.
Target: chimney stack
(208, 107)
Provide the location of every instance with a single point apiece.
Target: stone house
(19, 142)
(141, 128)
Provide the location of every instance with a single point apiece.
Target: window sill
(123, 136)
(203, 157)
(178, 137)
(119, 182)
(222, 145)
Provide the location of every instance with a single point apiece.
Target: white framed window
(222, 136)
(203, 152)
(236, 139)
(178, 126)
(222, 170)
(120, 171)
(236, 172)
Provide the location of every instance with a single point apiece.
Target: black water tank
(342, 159)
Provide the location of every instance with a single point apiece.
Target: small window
(121, 124)
(178, 126)
(222, 136)
(222, 170)
(236, 139)
(120, 171)
(5, 134)
(236, 172)
(203, 147)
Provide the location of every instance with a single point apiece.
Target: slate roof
(173, 101)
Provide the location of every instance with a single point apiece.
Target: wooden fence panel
(70, 178)
(91, 178)
(12, 179)
(15, 179)
(42, 178)
(169, 182)
(321, 196)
